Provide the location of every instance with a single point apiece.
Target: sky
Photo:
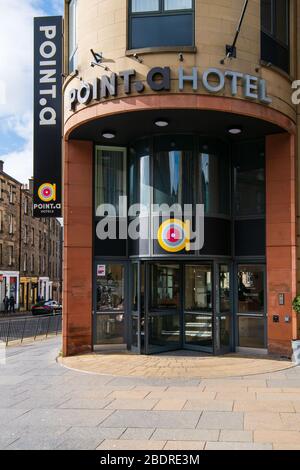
(16, 82)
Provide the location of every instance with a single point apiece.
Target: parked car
(56, 307)
(41, 309)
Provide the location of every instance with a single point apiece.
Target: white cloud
(16, 62)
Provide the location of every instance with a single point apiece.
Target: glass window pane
(225, 328)
(198, 286)
(199, 330)
(168, 177)
(251, 332)
(266, 15)
(110, 177)
(110, 288)
(162, 30)
(110, 329)
(135, 289)
(224, 288)
(282, 26)
(251, 289)
(178, 4)
(164, 330)
(134, 331)
(144, 5)
(214, 179)
(165, 286)
(139, 174)
(249, 170)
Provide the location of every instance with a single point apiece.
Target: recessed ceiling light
(108, 135)
(235, 130)
(161, 123)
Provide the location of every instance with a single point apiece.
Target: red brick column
(77, 271)
(281, 240)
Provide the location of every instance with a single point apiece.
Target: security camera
(180, 57)
(138, 58)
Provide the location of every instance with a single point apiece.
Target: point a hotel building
(181, 102)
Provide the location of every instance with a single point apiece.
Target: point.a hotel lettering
(159, 79)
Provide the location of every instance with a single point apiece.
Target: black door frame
(216, 314)
(250, 262)
(108, 261)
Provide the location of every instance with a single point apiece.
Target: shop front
(9, 286)
(28, 292)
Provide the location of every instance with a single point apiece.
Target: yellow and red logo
(47, 192)
(174, 235)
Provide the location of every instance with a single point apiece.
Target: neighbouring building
(160, 108)
(30, 248)
(10, 197)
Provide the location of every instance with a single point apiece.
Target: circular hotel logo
(174, 235)
(47, 192)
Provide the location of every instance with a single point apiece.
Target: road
(46, 406)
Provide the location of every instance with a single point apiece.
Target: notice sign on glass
(101, 270)
(47, 199)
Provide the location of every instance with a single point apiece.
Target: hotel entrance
(189, 307)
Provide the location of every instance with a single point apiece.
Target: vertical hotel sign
(47, 200)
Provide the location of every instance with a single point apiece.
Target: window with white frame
(10, 255)
(25, 234)
(11, 194)
(11, 224)
(25, 262)
(161, 23)
(26, 205)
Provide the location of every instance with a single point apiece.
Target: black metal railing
(32, 327)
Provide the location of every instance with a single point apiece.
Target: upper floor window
(11, 225)
(26, 205)
(275, 32)
(72, 35)
(161, 23)
(11, 194)
(10, 255)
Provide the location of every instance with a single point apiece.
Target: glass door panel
(163, 319)
(198, 308)
(110, 304)
(223, 323)
(251, 321)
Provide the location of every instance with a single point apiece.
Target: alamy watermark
(175, 227)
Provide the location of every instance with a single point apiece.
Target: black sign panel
(47, 198)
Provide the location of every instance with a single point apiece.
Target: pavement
(44, 405)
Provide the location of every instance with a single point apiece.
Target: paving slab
(152, 419)
(131, 445)
(221, 420)
(185, 435)
(237, 446)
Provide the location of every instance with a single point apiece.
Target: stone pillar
(281, 240)
(77, 271)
